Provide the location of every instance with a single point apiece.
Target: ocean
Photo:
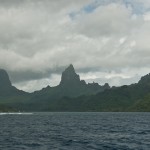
(75, 131)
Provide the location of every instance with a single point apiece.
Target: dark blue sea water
(75, 131)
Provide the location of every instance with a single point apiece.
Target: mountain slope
(6, 88)
(70, 86)
(124, 98)
(142, 105)
(10, 96)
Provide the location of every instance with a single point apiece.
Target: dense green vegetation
(6, 108)
(142, 105)
(125, 98)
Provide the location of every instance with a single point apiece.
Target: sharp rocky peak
(70, 68)
(69, 76)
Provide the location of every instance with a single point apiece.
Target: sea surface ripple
(75, 131)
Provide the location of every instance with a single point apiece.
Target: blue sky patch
(137, 7)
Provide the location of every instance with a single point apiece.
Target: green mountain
(6, 88)
(70, 86)
(73, 94)
(135, 97)
(9, 95)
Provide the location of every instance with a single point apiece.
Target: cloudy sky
(105, 40)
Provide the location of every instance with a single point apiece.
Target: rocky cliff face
(6, 88)
(69, 77)
(4, 80)
(71, 83)
(145, 80)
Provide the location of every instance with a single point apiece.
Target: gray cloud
(38, 39)
(24, 76)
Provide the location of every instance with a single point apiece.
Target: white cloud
(106, 21)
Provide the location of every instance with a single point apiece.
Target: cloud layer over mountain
(105, 40)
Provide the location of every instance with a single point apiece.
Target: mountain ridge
(69, 86)
(73, 94)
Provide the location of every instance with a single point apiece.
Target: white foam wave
(16, 113)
